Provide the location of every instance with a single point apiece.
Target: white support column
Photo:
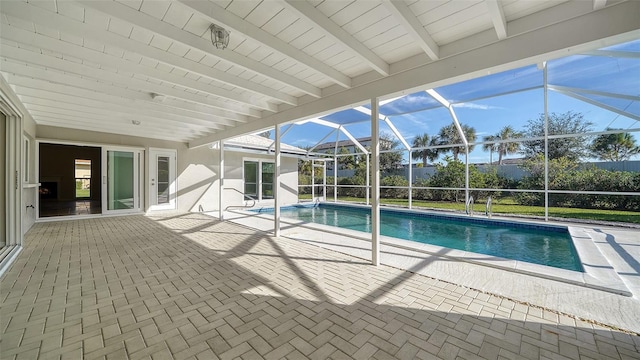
(368, 177)
(335, 168)
(410, 180)
(276, 186)
(221, 181)
(324, 181)
(335, 178)
(466, 176)
(546, 142)
(375, 172)
(313, 181)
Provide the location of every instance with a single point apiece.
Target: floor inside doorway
(63, 208)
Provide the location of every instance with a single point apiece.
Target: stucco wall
(197, 169)
(91, 137)
(29, 190)
(199, 181)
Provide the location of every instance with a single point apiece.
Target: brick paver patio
(187, 286)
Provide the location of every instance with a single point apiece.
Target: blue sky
(489, 103)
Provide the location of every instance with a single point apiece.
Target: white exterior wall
(29, 190)
(197, 169)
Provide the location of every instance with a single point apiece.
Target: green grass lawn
(82, 193)
(508, 206)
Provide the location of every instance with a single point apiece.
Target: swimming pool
(533, 243)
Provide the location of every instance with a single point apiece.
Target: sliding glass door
(121, 180)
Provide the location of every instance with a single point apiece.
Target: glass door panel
(162, 193)
(162, 179)
(121, 181)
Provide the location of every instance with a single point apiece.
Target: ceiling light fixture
(219, 36)
(158, 97)
(135, 122)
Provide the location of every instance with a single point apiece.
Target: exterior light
(158, 97)
(219, 36)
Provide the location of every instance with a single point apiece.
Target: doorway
(121, 180)
(77, 180)
(67, 176)
(83, 178)
(162, 179)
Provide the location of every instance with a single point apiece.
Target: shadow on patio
(189, 286)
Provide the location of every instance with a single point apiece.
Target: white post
(466, 176)
(335, 178)
(276, 186)
(368, 178)
(410, 179)
(313, 185)
(546, 144)
(221, 181)
(375, 172)
(324, 181)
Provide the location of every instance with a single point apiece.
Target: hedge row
(563, 175)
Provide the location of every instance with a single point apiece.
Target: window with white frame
(258, 179)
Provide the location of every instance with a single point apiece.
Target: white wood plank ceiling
(109, 65)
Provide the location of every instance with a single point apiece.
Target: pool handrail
(244, 195)
(489, 207)
(468, 208)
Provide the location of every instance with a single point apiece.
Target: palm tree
(507, 147)
(614, 147)
(422, 141)
(450, 135)
(490, 146)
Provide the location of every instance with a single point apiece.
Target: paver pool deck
(185, 286)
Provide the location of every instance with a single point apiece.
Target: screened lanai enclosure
(557, 139)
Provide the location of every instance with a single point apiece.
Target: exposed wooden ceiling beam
(169, 31)
(52, 62)
(67, 25)
(124, 130)
(135, 107)
(164, 29)
(338, 34)
(528, 45)
(409, 22)
(61, 112)
(149, 127)
(497, 17)
(94, 106)
(599, 4)
(109, 61)
(221, 16)
(141, 99)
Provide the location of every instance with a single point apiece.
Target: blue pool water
(539, 244)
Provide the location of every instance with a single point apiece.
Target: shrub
(394, 180)
(453, 175)
(351, 191)
(565, 174)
